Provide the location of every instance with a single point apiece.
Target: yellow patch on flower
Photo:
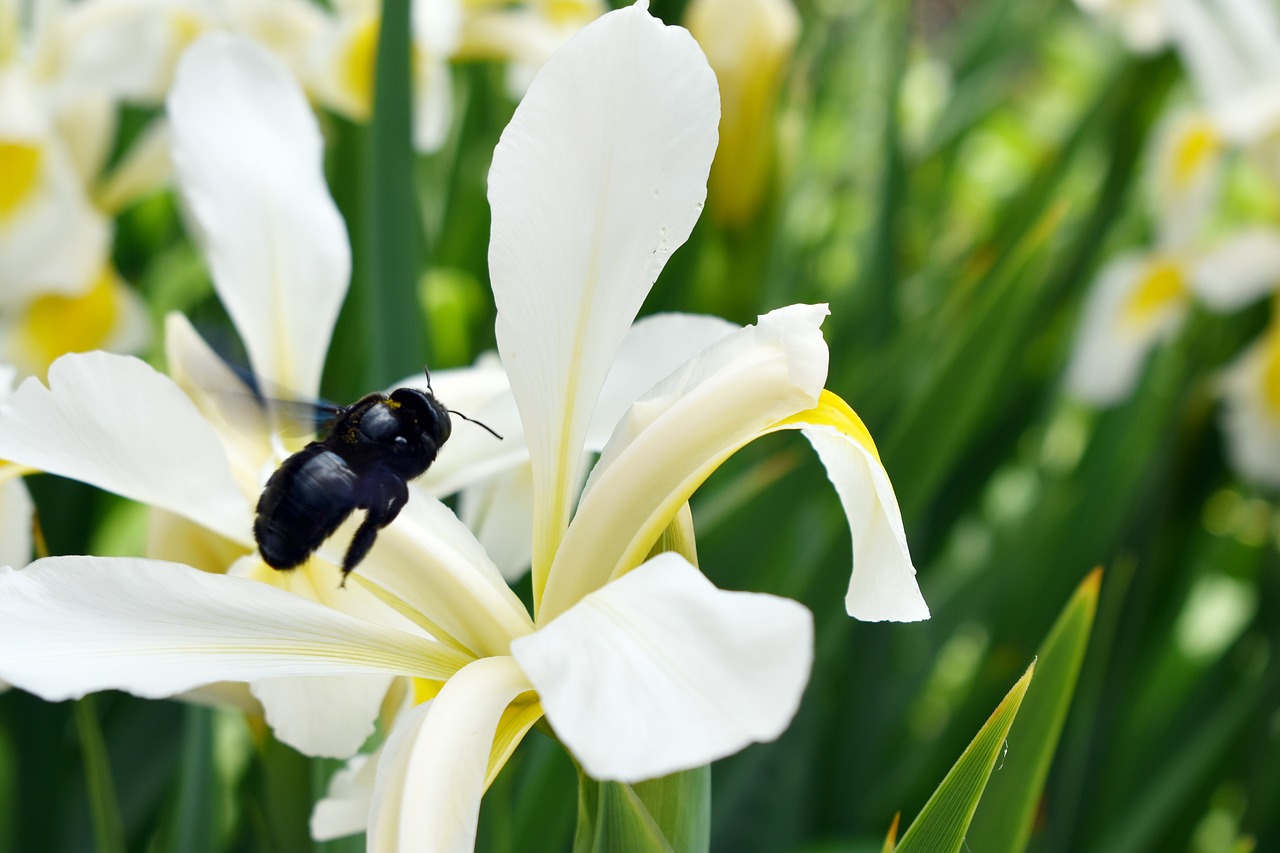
(1162, 285)
(186, 29)
(567, 12)
(1271, 371)
(1192, 150)
(55, 324)
(833, 411)
(357, 65)
(20, 166)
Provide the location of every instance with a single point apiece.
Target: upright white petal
(249, 158)
(1242, 269)
(434, 765)
(112, 421)
(660, 671)
(598, 178)
(675, 436)
(73, 625)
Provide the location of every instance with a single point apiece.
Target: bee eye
(401, 441)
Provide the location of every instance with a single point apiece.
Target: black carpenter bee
(368, 454)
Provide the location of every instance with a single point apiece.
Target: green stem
(108, 828)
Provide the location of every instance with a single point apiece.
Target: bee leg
(391, 496)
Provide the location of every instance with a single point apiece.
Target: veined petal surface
(659, 671)
(73, 625)
(114, 422)
(435, 764)
(429, 566)
(598, 178)
(675, 436)
(249, 156)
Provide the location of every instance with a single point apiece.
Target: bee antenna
(427, 372)
(490, 429)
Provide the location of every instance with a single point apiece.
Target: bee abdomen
(302, 505)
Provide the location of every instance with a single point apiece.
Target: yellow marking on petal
(19, 168)
(515, 722)
(832, 411)
(1162, 285)
(10, 471)
(1192, 150)
(425, 689)
(186, 29)
(55, 324)
(356, 65)
(569, 12)
(1271, 371)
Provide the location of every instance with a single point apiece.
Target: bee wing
(291, 415)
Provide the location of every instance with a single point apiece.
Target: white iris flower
(639, 664)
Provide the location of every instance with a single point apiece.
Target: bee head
(426, 412)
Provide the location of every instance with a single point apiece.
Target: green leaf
(108, 827)
(396, 344)
(1013, 794)
(944, 820)
(668, 814)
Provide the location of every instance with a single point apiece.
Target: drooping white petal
(329, 717)
(345, 808)
(1250, 388)
(677, 434)
(16, 512)
(598, 178)
(114, 422)
(434, 765)
(1242, 269)
(883, 584)
(429, 565)
(660, 671)
(73, 625)
(248, 155)
(1135, 302)
(51, 237)
(127, 48)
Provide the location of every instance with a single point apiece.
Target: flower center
(20, 165)
(1161, 286)
(1193, 149)
(55, 324)
(357, 63)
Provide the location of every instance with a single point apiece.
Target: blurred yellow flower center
(1196, 146)
(20, 165)
(357, 63)
(1163, 284)
(1271, 371)
(56, 324)
(186, 29)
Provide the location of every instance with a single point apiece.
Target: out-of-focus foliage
(952, 177)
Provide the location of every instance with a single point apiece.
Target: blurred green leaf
(395, 345)
(1010, 801)
(942, 823)
(668, 814)
(108, 827)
